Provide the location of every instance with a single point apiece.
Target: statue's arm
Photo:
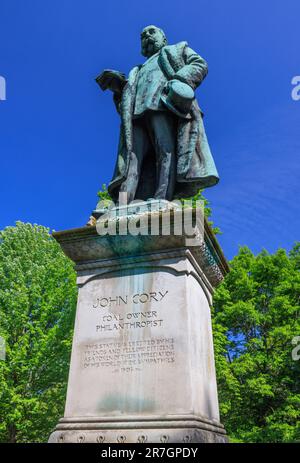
(117, 97)
(194, 70)
(114, 81)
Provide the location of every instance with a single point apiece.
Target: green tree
(207, 210)
(37, 306)
(256, 315)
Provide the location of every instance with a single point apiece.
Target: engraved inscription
(130, 320)
(143, 298)
(129, 356)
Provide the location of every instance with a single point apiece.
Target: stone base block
(163, 431)
(142, 366)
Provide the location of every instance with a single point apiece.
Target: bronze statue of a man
(163, 150)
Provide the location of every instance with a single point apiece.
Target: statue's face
(152, 40)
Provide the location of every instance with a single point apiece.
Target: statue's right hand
(112, 80)
(115, 86)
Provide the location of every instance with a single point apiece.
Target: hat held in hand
(179, 98)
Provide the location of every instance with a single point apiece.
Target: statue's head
(153, 39)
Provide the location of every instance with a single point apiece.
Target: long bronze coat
(195, 165)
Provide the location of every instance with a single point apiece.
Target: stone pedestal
(142, 365)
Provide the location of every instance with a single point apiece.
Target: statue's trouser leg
(140, 148)
(162, 129)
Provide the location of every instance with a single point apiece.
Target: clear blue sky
(58, 131)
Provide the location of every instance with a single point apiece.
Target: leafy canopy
(256, 316)
(37, 306)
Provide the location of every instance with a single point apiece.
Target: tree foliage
(256, 316)
(37, 305)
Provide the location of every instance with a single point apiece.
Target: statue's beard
(151, 46)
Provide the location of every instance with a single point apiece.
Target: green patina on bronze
(163, 150)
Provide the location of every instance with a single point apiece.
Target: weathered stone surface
(142, 366)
